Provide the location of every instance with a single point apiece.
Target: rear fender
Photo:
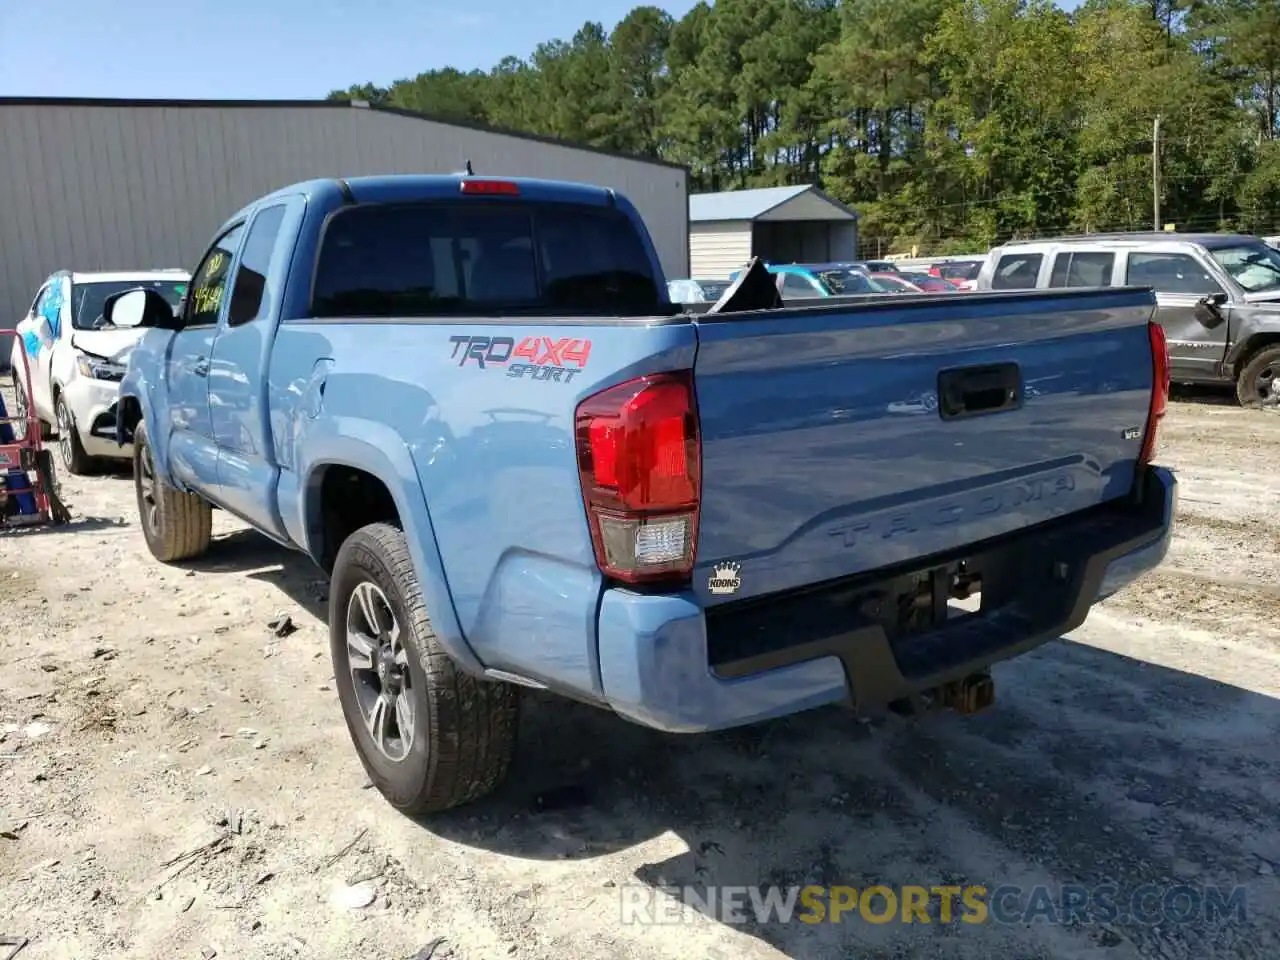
(378, 450)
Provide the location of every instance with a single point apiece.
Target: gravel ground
(176, 780)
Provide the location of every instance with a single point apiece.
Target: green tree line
(949, 125)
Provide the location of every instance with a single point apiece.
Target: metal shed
(782, 224)
(136, 184)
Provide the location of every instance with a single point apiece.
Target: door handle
(969, 391)
(201, 368)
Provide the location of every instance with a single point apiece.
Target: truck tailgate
(831, 443)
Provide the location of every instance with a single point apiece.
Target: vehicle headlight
(96, 369)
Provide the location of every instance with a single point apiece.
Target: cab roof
(407, 187)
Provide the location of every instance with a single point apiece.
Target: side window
(1017, 271)
(795, 286)
(1170, 273)
(51, 306)
(37, 305)
(33, 337)
(1082, 269)
(250, 287)
(204, 296)
(1061, 264)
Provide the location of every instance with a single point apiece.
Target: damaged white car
(77, 360)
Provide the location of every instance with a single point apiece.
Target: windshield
(1254, 266)
(482, 258)
(847, 281)
(87, 298)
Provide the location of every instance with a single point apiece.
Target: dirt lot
(176, 781)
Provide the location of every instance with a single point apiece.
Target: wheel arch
(130, 408)
(1254, 344)
(351, 482)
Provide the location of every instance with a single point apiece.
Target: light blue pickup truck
(470, 402)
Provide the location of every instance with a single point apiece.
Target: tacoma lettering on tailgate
(889, 525)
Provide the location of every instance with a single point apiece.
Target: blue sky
(275, 49)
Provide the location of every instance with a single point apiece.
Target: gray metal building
(123, 184)
(782, 224)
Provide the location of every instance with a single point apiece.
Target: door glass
(250, 287)
(38, 303)
(31, 338)
(204, 296)
(1090, 269)
(1082, 269)
(1061, 264)
(1170, 273)
(51, 307)
(795, 286)
(1017, 271)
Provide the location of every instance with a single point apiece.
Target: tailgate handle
(969, 391)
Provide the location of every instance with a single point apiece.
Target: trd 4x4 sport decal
(534, 358)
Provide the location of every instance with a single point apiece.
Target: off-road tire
(464, 726)
(183, 524)
(1246, 382)
(70, 450)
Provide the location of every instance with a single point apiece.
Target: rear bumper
(666, 663)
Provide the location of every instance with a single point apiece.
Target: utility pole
(1155, 173)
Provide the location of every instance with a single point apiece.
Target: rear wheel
(429, 735)
(176, 525)
(1257, 383)
(70, 448)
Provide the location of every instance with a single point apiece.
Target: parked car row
(77, 359)
(806, 281)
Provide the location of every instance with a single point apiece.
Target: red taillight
(640, 463)
(490, 188)
(1159, 389)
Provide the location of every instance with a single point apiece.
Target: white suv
(77, 361)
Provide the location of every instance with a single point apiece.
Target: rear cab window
(1017, 271)
(475, 258)
(1082, 268)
